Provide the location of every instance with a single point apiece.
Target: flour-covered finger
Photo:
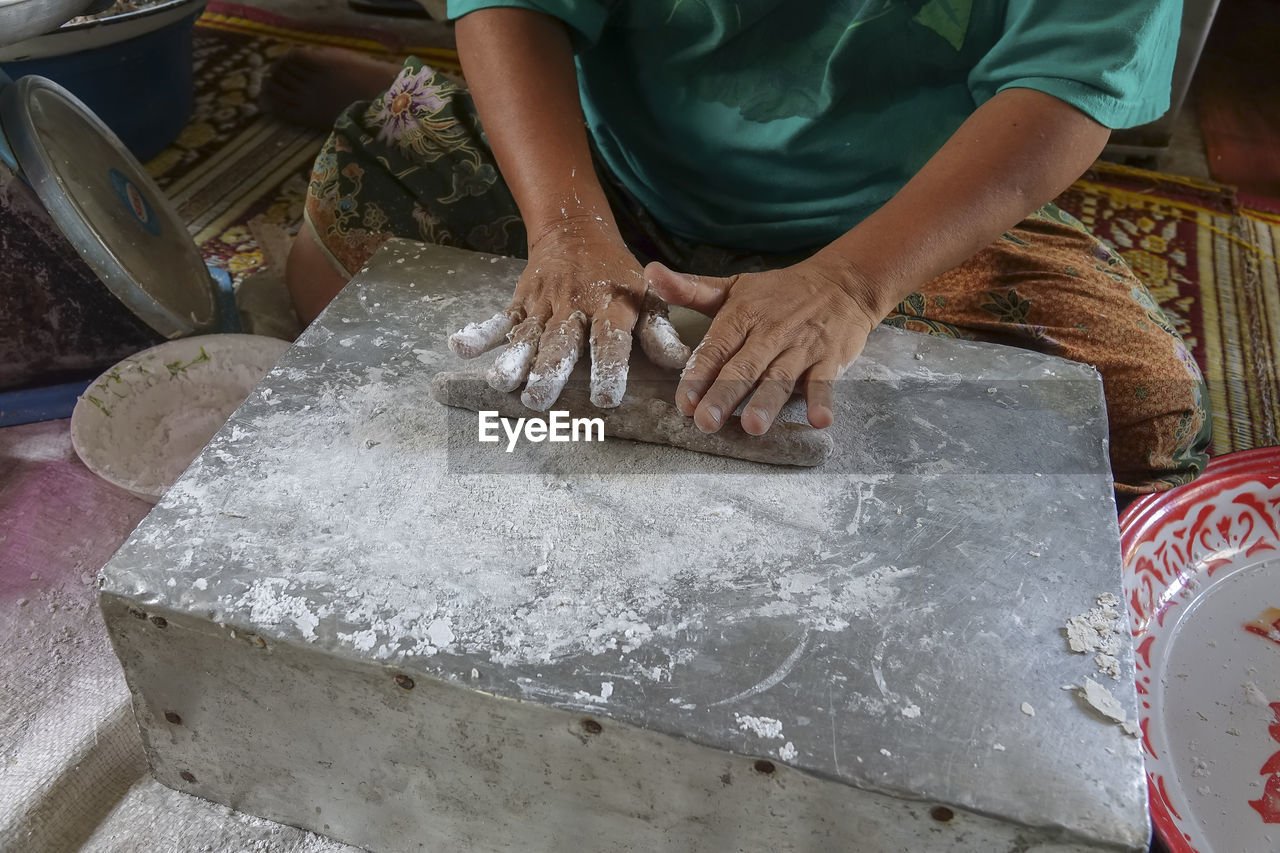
(610, 361)
(658, 338)
(478, 338)
(558, 352)
(510, 369)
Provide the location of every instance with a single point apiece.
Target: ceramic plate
(141, 423)
(1202, 579)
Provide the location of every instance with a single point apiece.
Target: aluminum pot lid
(108, 207)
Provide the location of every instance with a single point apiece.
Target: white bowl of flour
(141, 423)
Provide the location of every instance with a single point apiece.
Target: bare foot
(311, 86)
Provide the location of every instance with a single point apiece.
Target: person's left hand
(772, 331)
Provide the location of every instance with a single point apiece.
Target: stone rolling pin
(649, 419)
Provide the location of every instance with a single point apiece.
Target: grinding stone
(644, 416)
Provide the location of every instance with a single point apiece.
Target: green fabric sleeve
(584, 18)
(1111, 59)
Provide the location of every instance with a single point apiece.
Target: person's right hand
(580, 274)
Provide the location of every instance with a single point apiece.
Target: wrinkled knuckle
(743, 369)
(805, 337)
(741, 319)
(712, 351)
(780, 375)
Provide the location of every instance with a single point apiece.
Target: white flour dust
(542, 389)
(765, 727)
(661, 342)
(267, 602)
(475, 339)
(610, 363)
(532, 569)
(606, 690)
(511, 367)
(620, 558)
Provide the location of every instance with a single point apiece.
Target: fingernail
(691, 396)
(764, 417)
(714, 412)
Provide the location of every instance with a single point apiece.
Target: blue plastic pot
(133, 70)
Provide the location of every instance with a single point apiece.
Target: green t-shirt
(775, 126)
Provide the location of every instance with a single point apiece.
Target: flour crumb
(911, 712)
(787, 752)
(1102, 700)
(765, 727)
(475, 673)
(1028, 710)
(886, 753)
(440, 634)
(1253, 695)
(998, 747)
(363, 641)
(1098, 631)
(606, 690)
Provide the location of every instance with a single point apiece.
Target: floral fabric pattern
(411, 163)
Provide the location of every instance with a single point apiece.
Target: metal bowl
(53, 41)
(106, 62)
(24, 19)
(142, 422)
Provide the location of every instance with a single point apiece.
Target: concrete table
(350, 616)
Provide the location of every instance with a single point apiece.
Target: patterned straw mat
(1213, 267)
(235, 173)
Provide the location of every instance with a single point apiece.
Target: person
(800, 172)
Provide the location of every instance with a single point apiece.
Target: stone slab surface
(872, 627)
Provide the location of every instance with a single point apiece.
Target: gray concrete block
(351, 617)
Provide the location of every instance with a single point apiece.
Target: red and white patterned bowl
(1202, 585)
